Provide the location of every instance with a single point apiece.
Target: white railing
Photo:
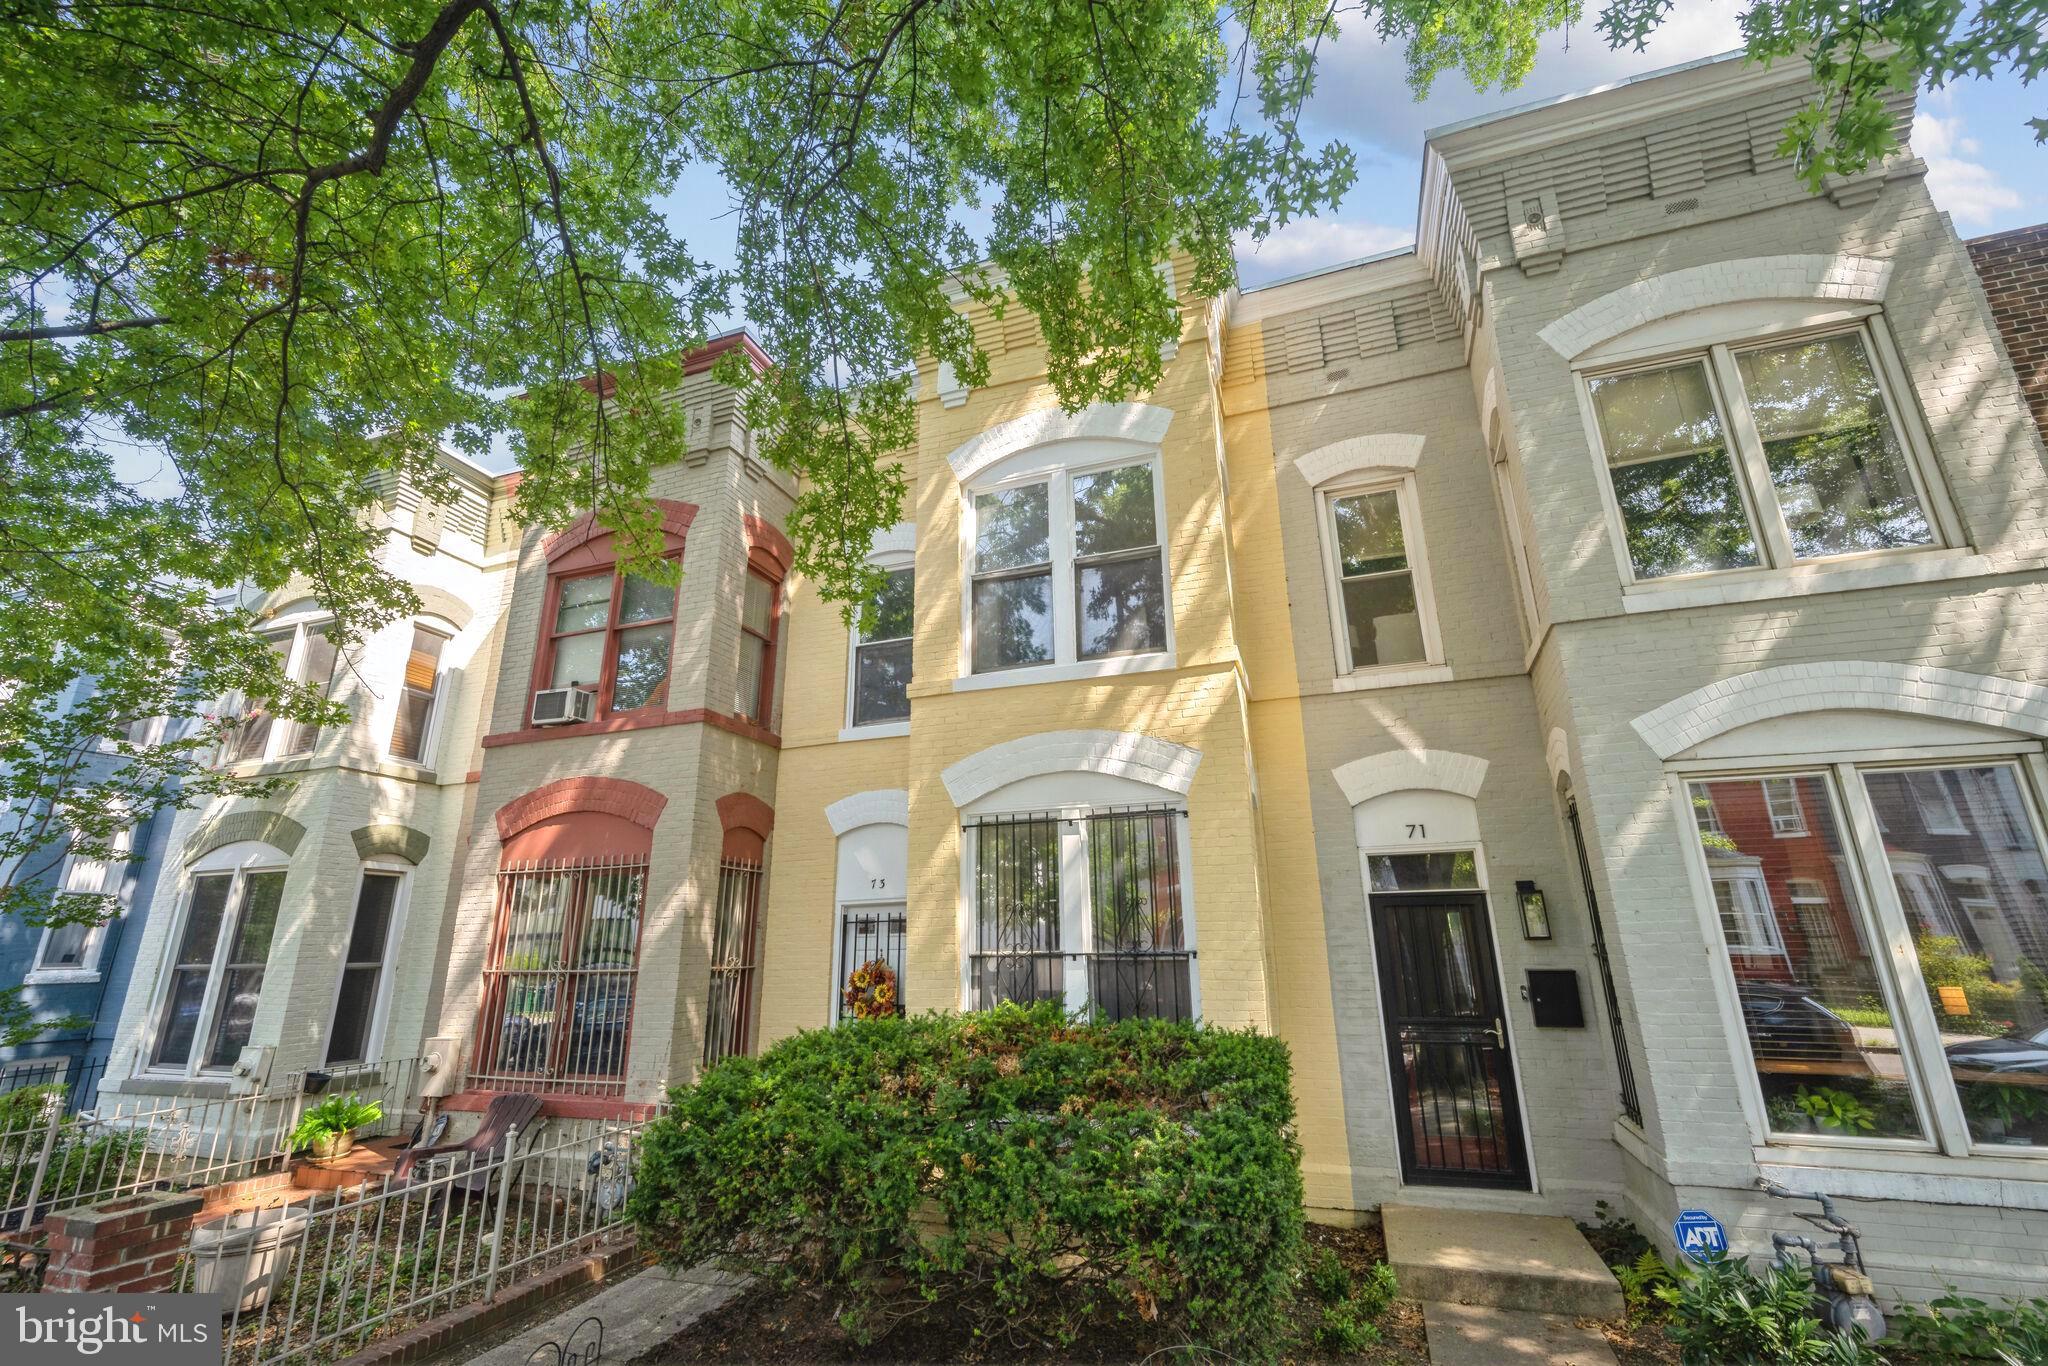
(319, 1280)
(128, 1143)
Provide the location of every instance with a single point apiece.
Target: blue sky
(1983, 165)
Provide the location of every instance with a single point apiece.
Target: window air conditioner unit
(563, 706)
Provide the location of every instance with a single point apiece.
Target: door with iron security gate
(1457, 1117)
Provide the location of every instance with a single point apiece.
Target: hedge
(1033, 1175)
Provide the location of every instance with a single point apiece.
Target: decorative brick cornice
(676, 517)
(390, 841)
(1408, 770)
(613, 796)
(273, 828)
(1843, 685)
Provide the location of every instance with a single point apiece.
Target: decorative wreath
(871, 991)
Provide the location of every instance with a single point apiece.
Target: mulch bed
(768, 1327)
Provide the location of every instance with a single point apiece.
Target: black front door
(1454, 1081)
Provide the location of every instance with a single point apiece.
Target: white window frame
(1868, 877)
(1943, 805)
(1408, 502)
(298, 621)
(380, 1005)
(1756, 916)
(430, 734)
(891, 562)
(1077, 920)
(88, 968)
(1518, 546)
(1057, 466)
(241, 861)
(1712, 339)
(1784, 824)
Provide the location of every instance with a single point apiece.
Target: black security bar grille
(1141, 965)
(730, 1013)
(871, 937)
(1017, 946)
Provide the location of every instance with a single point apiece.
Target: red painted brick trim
(706, 356)
(748, 822)
(676, 517)
(638, 720)
(764, 536)
(613, 796)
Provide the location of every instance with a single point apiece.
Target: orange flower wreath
(871, 991)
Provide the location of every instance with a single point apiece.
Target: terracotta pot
(333, 1145)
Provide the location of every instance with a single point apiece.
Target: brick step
(362, 1164)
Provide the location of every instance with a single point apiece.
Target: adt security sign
(1700, 1236)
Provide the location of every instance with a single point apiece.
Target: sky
(1983, 164)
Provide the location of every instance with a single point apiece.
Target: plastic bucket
(246, 1256)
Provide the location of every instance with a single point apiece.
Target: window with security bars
(560, 976)
(728, 1027)
(1116, 942)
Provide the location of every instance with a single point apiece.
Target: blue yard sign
(1700, 1236)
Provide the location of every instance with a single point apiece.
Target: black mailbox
(1554, 998)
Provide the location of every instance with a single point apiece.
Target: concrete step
(1475, 1335)
(1536, 1262)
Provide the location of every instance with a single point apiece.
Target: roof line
(1478, 120)
(1388, 255)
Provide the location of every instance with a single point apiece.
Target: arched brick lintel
(629, 801)
(765, 538)
(676, 517)
(748, 821)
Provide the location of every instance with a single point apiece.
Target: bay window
(1766, 454)
(1067, 566)
(610, 633)
(1085, 908)
(419, 694)
(307, 656)
(881, 654)
(215, 978)
(756, 687)
(1906, 1000)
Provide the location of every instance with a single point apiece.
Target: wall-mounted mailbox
(1554, 998)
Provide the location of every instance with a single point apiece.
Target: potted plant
(329, 1128)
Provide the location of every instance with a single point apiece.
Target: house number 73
(876, 884)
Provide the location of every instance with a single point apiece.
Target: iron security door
(1454, 1080)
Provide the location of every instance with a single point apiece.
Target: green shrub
(1728, 1314)
(1958, 1327)
(1325, 1276)
(1346, 1328)
(1347, 1320)
(1029, 1173)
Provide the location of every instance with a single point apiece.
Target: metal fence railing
(80, 1078)
(51, 1155)
(317, 1281)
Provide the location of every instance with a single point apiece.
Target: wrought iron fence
(320, 1280)
(52, 1156)
(80, 1078)
(729, 1013)
(865, 938)
(560, 977)
(1017, 952)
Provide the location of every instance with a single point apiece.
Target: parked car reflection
(2015, 1052)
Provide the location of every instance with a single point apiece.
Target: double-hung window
(419, 695)
(1379, 587)
(755, 690)
(881, 654)
(1083, 907)
(1903, 1006)
(372, 941)
(74, 947)
(1068, 567)
(610, 633)
(1770, 454)
(215, 977)
(307, 656)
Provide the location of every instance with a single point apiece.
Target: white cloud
(1309, 243)
(1967, 188)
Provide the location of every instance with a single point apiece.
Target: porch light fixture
(1535, 915)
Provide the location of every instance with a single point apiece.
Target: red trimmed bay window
(768, 559)
(605, 631)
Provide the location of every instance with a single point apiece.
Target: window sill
(1401, 676)
(1154, 662)
(60, 977)
(1927, 1177)
(880, 730)
(1841, 576)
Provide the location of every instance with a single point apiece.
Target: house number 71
(1418, 832)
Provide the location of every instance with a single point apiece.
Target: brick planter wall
(130, 1245)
